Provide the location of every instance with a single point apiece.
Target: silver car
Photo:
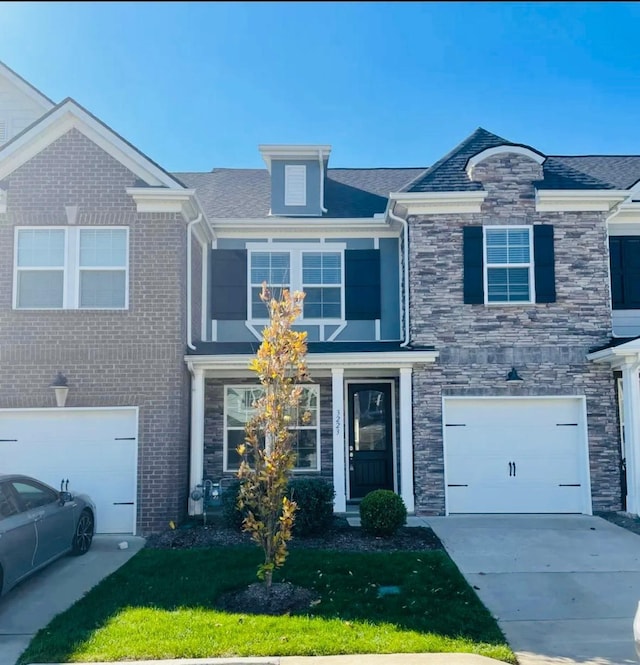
(38, 524)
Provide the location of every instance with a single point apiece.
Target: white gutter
(190, 225)
(405, 248)
(321, 160)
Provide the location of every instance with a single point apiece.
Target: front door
(370, 438)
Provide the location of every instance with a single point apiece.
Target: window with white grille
(71, 268)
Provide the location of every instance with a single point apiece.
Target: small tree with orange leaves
(268, 457)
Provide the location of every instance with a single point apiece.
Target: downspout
(405, 248)
(321, 160)
(190, 225)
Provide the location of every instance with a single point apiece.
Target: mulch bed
(282, 598)
(340, 536)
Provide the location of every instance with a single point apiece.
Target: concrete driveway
(563, 588)
(30, 606)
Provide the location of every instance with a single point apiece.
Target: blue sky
(198, 85)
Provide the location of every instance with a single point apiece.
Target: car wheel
(83, 534)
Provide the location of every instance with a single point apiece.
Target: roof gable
(448, 173)
(26, 88)
(67, 115)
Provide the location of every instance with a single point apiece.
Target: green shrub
(382, 513)
(231, 516)
(314, 497)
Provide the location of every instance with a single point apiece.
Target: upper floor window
(273, 268)
(320, 274)
(321, 282)
(508, 264)
(624, 257)
(71, 268)
(514, 264)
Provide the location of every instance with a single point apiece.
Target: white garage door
(516, 455)
(96, 449)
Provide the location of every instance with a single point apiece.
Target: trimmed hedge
(382, 513)
(314, 497)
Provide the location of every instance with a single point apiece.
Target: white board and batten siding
(96, 449)
(516, 455)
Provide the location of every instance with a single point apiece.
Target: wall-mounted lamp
(60, 386)
(513, 376)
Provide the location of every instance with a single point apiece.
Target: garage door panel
(515, 455)
(95, 449)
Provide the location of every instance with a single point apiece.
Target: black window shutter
(229, 284)
(615, 261)
(544, 259)
(473, 265)
(362, 284)
(630, 272)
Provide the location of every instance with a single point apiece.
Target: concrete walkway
(563, 588)
(30, 606)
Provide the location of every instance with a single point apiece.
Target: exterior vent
(295, 185)
(4, 133)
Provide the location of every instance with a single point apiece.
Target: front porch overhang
(624, 355)
(319, 364)
(617, 353)
(339, 366)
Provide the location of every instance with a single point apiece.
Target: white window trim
(486, 266)
(295, 282)
(295, 197)
(243, 386)
(71, 268)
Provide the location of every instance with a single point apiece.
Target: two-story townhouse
(469, 304)
(471, 326)
(96, 240)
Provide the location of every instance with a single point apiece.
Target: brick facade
(478, 344)
(111, 358)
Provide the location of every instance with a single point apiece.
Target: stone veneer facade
(478, 344)
(111, 358)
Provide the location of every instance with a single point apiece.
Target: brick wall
(111, 358)
(478, 344)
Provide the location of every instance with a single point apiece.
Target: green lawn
(161, 605)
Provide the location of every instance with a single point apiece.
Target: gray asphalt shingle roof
(246, 193)
(560, 172)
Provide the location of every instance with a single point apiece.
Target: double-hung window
(273, 268)
(71, 268)
(322, 282)
(239, 408)
(317, 272)
(508, 264)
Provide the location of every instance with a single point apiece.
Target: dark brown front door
(370, 438)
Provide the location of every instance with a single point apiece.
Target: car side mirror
(65, 497)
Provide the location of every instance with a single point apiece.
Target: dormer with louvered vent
(297, 178)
